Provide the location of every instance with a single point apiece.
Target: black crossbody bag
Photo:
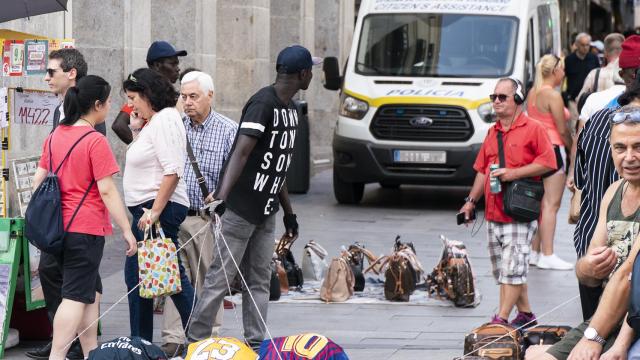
(521, 198)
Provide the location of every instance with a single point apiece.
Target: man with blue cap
(163, 58)
(251, 189)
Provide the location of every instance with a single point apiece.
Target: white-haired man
(211, 137)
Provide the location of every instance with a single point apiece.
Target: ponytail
(71, 107)
(544, 69)
(80, 99)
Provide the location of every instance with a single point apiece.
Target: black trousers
(51, 280)
(589, 299)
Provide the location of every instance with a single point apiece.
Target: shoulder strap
(196, 170)
(68, 153)
(595, 83)
(78, 208)
(500, 148)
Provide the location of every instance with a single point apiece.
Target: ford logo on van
(421, 122)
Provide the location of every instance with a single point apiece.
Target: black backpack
(43, 219)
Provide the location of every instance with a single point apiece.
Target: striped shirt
(594, 172)
(211, 142)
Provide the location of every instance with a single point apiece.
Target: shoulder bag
(521, 198)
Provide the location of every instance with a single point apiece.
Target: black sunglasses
(52, 72)
(500, 97)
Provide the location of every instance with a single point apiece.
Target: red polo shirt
(525, 142)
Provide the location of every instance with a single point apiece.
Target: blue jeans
(141, 309)
(634, 351)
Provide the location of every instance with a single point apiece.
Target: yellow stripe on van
(387, 100)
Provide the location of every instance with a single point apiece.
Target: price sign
(31, 107)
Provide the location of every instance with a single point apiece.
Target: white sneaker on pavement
(553, 262)
(533, 258)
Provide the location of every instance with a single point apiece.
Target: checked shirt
(211, 143)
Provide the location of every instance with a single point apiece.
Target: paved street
(418, 214)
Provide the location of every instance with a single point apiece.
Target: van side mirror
(331, 70)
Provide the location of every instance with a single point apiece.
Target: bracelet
(470, 199)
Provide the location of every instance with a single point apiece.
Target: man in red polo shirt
(528, 153)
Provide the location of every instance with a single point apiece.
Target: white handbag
(314, 264)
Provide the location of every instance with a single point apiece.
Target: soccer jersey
(220, 349)
(302, 347)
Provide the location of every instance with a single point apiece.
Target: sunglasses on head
(500, 97)
(620, 117)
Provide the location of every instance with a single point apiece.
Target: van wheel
(345, 192)
(386, 185)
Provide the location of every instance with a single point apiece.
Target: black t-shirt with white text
(255, 194)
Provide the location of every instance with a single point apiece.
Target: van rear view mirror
(331, 70)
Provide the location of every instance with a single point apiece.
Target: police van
(414, 95)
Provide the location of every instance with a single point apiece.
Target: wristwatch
(591, 334)
(470, 199)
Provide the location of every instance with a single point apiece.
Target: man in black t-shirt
(252, 187)
(576, 67)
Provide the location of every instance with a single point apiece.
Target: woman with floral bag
(154, 189)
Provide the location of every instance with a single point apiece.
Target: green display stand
(32, 288)
(11, 238)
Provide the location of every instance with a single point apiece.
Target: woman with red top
(86, 173)
(545, 105)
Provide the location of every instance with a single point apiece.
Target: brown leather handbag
(293, 271)
(452, 278)
(399, 279)
(494, 341)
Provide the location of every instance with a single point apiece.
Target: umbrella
(18, 9)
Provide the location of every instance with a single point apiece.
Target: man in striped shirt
(594, 170)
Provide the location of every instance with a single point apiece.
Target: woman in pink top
(545, 105)
(86, 184)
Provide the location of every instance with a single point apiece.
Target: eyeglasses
(52, 72)
(620, 117)
(500, 97)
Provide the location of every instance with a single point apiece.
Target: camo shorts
(509, 249)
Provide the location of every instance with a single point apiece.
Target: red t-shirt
(91, 159)
(525, 142)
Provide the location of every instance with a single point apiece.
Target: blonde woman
(545, 105)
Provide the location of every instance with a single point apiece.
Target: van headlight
(486, 112)
(352, 107)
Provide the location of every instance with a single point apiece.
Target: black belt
(193, 213)
(196, 212)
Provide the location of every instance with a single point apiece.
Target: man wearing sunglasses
(528, 153)
(594, 171)
(65, 67)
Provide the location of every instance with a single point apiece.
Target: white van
(414, 96)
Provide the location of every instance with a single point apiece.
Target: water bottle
(494, 182)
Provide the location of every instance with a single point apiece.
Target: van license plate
(425, 157)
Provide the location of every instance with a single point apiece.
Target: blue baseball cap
(162, 49)
(294, 59)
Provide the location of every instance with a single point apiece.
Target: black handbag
(294, 272)
(544, 335)
(356, 261)
(521, 198)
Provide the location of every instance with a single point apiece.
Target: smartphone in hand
(460, 217)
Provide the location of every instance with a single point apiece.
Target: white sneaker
(553, 262)
(533, 258)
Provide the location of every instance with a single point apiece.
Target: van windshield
(446, 45)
